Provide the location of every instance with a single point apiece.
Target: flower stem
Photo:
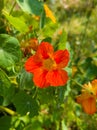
(12, 8)
(77, 83)
(9, 111)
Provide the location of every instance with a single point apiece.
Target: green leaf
(42, 19)
(6, 90)
(89, 69)
(1, 100)
(35, 124)
(5, 123)
(47, 39)
(1, 5)
(4, 80)
(17, 22)
(31, 6)
(25, 104)
(8, 95)
(46, 96)
(62, 41)
(25, 80)
(64, 127)
(9, 51)
(49, 29)
(68, 89)
(26, 18)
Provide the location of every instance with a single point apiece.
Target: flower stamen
(49, 64)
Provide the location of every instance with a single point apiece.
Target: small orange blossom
(29, 45)
(88, 97)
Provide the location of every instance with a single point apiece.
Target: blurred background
(76, 22)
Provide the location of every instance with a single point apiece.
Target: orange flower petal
(94, 85)
(45, 50)
(88, 102)
(61, 57)
(40, 78)
(49, 13)
(57, 77)
(80, 98)
(83, 96)
(33, 44)
(94, 82)
(89, 105)
(32, 64)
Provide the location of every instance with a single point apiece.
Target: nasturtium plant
(25, 104)
(10, 52)
(4, 80)
(63, 40)
(5, 122)
(24, 80)
(32, 7)
(16, 22)
(48, 65)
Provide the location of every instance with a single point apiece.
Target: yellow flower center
(89, 89)
(49, 64)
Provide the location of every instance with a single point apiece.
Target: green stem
(77, 83)
(35, 94)
(12, 8)
(9, 111)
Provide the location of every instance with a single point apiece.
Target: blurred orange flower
(33, 43)
(29, 45)
(47, 66)
(49, 13)
(88, 97)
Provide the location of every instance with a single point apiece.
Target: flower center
(49, 64)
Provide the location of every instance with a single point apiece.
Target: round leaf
(31, 6)
(25, 80)
(9, 50)
(25, 104)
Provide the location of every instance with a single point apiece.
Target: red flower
(47, 66)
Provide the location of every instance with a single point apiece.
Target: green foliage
(63, 40)
(9, 51)
(49, 28)
(23, 106)
(1, 5)
(42, 20)
(34, 124)
(17, 22)
(25, 80)
(5, 123)
(33, 7)
(4, 80)
(7, 94)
